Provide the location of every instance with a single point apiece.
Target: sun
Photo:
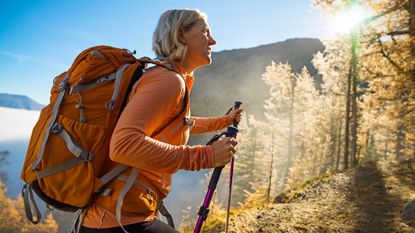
(345, 21)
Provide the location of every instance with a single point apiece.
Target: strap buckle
(87, 155)
(189, 122)
(56, 128)
(63, 84)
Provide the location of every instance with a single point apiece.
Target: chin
(206, 62)
(209, 60)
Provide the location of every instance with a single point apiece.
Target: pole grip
(236, 106)
(231, 132)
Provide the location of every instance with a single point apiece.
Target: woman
(153, 130)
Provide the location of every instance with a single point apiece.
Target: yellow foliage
(257, 197)
(214, 223)
(13, 218)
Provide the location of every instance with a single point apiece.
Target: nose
(211, 41)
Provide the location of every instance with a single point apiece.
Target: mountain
(19, 101)
(237, 75)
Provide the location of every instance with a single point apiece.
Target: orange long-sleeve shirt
(140, 139)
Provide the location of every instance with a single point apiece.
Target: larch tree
(333, 65)
(385, 72)
(252, 157)
(311, 141)
(297, 115)
(279, 112)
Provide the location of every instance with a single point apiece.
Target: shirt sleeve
(153, 101)
(204, 125)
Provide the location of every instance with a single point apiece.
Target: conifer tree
(252, 158)
(279, 111)
(333, 65)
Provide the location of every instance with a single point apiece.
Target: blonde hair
(166, 42)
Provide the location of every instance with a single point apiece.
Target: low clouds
(16, 123)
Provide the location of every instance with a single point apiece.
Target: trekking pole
(228, 210)
(204, 209)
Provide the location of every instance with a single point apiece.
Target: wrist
(210, 155)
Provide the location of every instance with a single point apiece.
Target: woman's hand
(223, 150)
(236, 114)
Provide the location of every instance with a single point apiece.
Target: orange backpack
(68, 151)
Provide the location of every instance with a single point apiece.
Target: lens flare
(344, 22)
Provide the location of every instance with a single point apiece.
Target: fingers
(223, 150)
(231, 144)
(236, 113)
(231, 141)
(232, 149)
(239, 111)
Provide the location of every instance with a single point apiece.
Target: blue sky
(40, 39)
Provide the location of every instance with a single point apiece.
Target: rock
(408, 212)
(280, 198)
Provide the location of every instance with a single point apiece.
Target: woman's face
(198, 41)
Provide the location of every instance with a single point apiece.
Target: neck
(187, 68)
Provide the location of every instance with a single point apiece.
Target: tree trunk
(270, 169)
(290, 160)
(354, 64)
(400, 137)
(332, 150)
(339, 142)
(314, 155)
(302, 150)
(291, 129)
(354, 125)
(251, 173)
(347, 122)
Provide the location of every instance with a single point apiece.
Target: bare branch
(398, 33)
(383, 52)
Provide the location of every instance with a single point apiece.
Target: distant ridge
(237, 75)
(19, 102)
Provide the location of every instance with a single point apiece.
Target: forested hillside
(236, 74)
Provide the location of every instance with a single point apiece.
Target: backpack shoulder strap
(146, 60)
